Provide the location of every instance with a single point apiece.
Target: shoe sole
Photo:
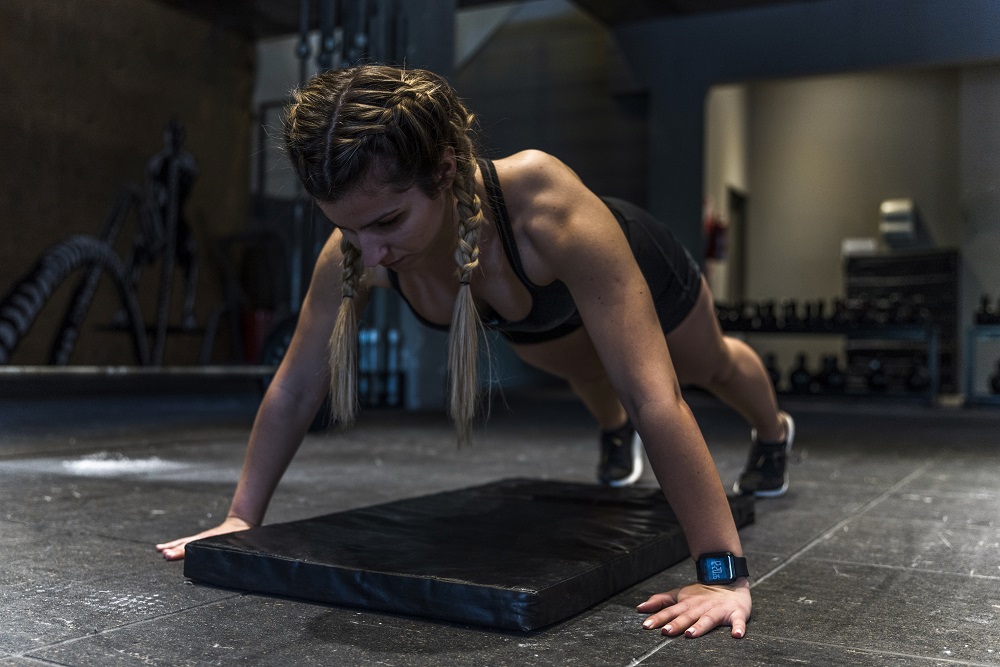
(789, 438)
(636, 465)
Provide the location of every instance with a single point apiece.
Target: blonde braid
(463, 337)
(343, 346)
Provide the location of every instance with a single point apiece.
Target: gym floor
(886, 550)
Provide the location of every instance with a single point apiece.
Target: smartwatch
(721, 568)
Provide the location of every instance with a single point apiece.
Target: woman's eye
(390, 222)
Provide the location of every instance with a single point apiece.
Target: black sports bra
(553, 312)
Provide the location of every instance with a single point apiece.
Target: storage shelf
(975, 335)
(902, 338)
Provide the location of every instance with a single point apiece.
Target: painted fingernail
(738, 634)
(667, 629)
(648, 623)
(689, 632)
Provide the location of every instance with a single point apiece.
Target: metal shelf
(901, 336)
(975, 335)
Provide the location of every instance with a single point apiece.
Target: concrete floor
(885, 551)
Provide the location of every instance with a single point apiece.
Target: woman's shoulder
(546, 202)
(533, 171)
(537, 185)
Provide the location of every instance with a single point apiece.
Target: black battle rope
(69, 331)
(21, 305)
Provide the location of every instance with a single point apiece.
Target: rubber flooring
(885, 551)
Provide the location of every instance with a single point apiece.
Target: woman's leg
(574, 359)
(726, 367)
(732, 371)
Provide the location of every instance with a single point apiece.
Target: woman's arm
(565, 232)
(290, 403)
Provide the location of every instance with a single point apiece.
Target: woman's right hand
(175, 550)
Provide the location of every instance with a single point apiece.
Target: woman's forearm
(278, 430)
(688, 476)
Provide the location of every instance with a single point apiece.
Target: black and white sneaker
(766, 472)
(621, 457)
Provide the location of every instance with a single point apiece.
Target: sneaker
(621, 457)
(766, 472)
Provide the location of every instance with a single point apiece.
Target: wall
(88, 87)
(552, 78)
(824, 152)
(726, 169)
(786, 40)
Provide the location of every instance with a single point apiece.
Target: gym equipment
(987, 313)
(790, 315)
(23, 303)
(800, 379)
(877, 379)
(771, 364)
(516, 554)
(840, 318)
(995, 380)
(816, 315)
(380, 381)
(163, 236)
(919, 377)
(915, 289)
(831, 378)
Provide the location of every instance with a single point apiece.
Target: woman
(387, 156)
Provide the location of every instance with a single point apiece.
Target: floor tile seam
(118, 628)
(874, 651)
(648, 654)
(883, 566)
(932, 522)
(40, 661)
(843, 522)
(34, 660)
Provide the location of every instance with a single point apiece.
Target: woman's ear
(444, 177)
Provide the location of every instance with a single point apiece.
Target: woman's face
(394, 228)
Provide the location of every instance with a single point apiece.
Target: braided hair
(345, 127)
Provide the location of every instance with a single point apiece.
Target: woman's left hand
(695, 609)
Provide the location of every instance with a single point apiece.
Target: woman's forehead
(366, 204)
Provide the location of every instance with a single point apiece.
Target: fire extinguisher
(715, 229)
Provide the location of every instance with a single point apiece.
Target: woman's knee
(715, 365)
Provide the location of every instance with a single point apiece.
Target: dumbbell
(800, 379)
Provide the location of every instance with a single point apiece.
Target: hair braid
(343, 344)
(463, 336)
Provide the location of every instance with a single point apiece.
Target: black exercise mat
(515, 554)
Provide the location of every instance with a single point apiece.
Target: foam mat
(518, 554)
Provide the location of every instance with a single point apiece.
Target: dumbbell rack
(930, 276)
(975, 335)
(925, 335)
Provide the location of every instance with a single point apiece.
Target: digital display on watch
(721, 568)
(716, 569)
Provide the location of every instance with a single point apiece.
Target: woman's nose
(372, 252)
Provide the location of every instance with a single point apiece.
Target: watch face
(717, 568)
